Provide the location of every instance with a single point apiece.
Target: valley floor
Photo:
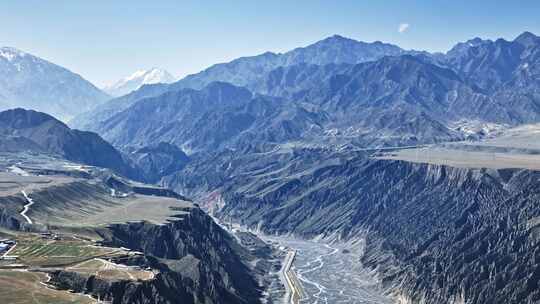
(331, 273)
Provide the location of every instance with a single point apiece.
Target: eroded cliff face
(470, 237)
(9, 212)
(435, 234)
(198, 262)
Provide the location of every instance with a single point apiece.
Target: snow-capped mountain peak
(138, 79)
(28, 81)
(10, 53)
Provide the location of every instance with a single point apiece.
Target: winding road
(293, 288)
(27, 206)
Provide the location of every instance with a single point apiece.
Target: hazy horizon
(107, 42)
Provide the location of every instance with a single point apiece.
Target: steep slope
(43, 133)
(489, 64)
(91, 119)
(508, 71)
(201, 256)
(247, 71)
(137, 80)
(162, 118)
(197, 262)
(367, 95)
(218, 116)
(31, 82)
(293, 81)
(407, 81)
(158, 160)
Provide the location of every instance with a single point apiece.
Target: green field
(34, 251)
(99, 213)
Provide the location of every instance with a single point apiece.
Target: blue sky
(107, 40)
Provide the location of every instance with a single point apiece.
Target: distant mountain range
(336, 90)
(31, 82)
(137, 80)
(369, 94)
(247, 71)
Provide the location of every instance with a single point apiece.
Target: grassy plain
(24, 287)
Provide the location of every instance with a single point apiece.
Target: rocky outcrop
(465, 236)
(198, 263)
(9, 212)
(166, 288)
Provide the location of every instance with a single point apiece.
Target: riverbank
(331, 273)
(294, 289)
(325, 272)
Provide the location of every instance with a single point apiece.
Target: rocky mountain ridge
(403, 99)
(248, 70)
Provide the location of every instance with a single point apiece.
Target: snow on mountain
(10, 53)
(30, 82)
(137, 80)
